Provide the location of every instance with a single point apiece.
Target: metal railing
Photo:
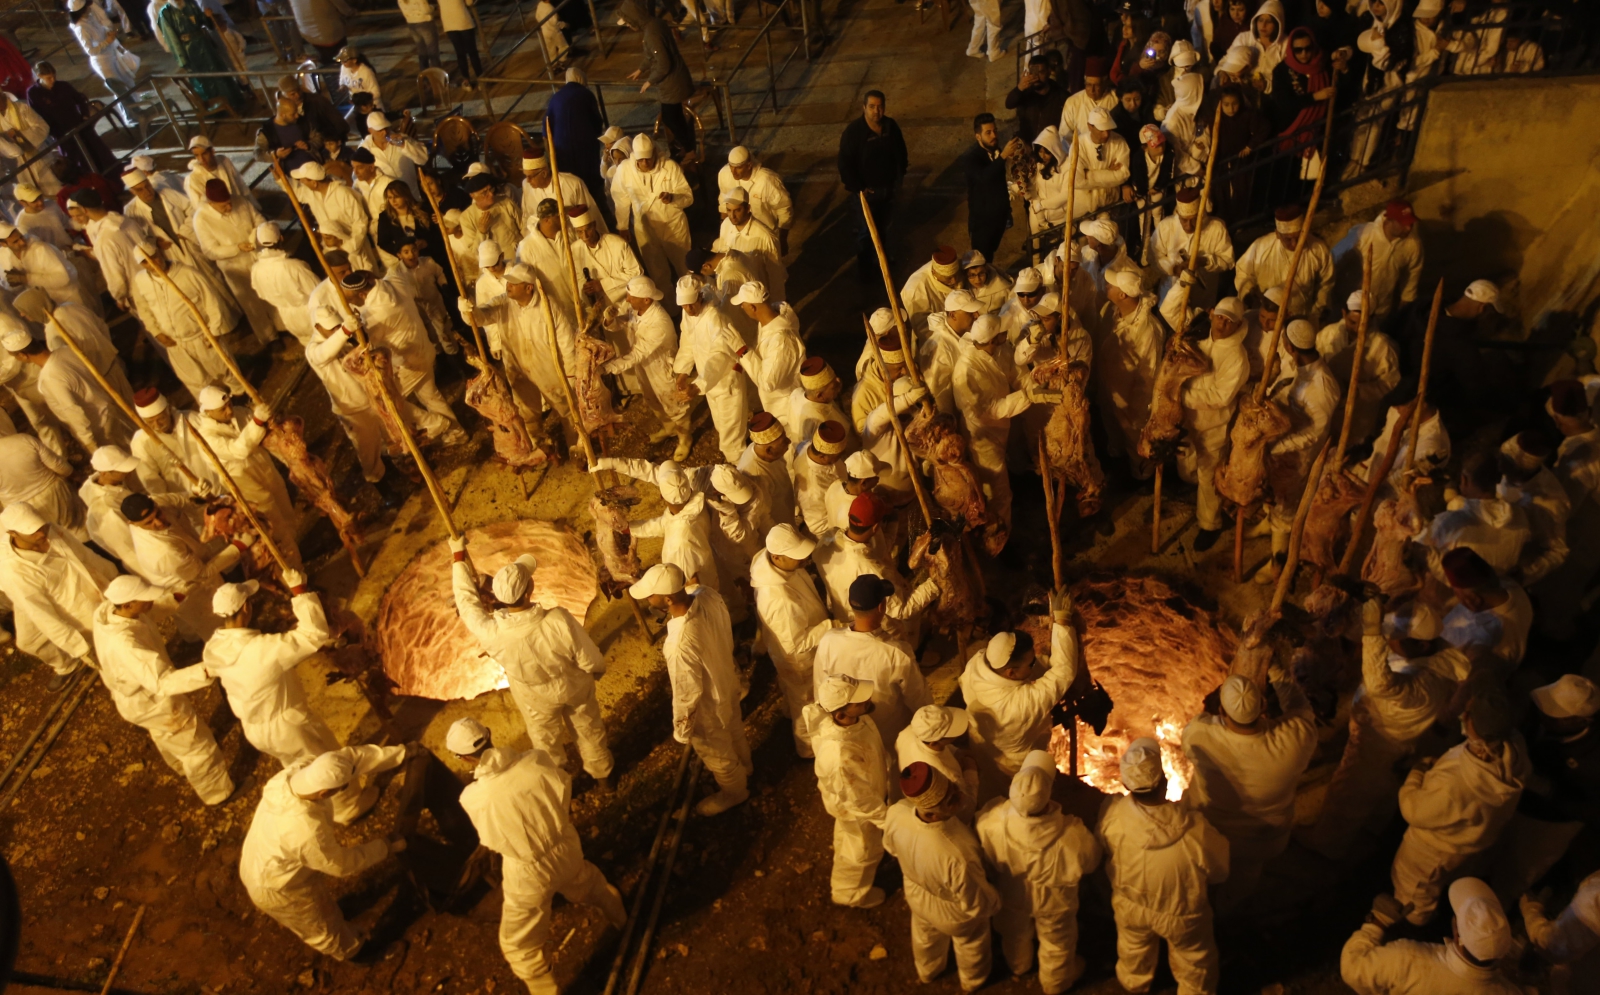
(52, 144)
(764, 38)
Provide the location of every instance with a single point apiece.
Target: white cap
(751, 292)
(211, 398)
(19, 517)
(1030, 787)
(114, 459)
(643, 286)
(1355, 302)
(738, 154)
(267, 233)
(476, 169)
(962, 300)
(997, 652)
(1571, 697)
(688, 289)
(199, 142)
(1484, 292)
(840, 690)
(488, 253)
(663, 578)
(452, 217)
(515, 579)
(376, 121)
(1127, 281)
(882, 321)
(16, 340)
(1415, 620)
(1098, 118)
(673, 483)
(309, 171)
(1028, 281)
(1302, 334)
(1230, 307)
(466, 736)
(126, 587)
(134, 177)
(1241, 699)
(610, 135)
(643, 147)
(520, 273)
(154, 408)
(932, 723)
(1480, 921)
(327, 772)
(1050, 303)
(985, 329)
(730, 484)
(231, 597)
(786, 540)
(26, 191)
(735, 196)
(861, 465)
(1099, 229)
(1141, 764)
(145, 162)
(6, 229)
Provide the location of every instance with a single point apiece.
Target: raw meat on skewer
(1180, 363)
(490, 396)
(286, 440)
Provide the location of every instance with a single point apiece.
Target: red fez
(146, 397)
(1465, 569)
(1095, 67)
(1568, 398)
(1188, 195)
(761, 421)
(1536, 444)
(812, 366)
(914, 780)
(1400, 212)
(944, 255)
(866, 511)
(1289, 212)
(217, 192)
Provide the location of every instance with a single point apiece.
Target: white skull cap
(1127, 281)
(882, 320)
(1099, 229)
(735, 196)
(211, 398)
(1141, 764)
(999, 649)
(1030, 787)
(673, 483)
(1302, 334)
(786, 540)
(329, 771)
(1231, 307)
(1355, 302)
(466, 736)
(737, 155)
(229, 598)
(1241, 699)
(144, 162)
(643, 147)
(1484, 292)
(267, 233)
(518, 273)
(663, 578)
(515, 579)
(15, 340)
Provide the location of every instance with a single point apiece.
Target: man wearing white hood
(1039, 854)
(1265, 39)
(1127, 364)
(1208, 404)
(1047, 207)
(1465, 964)
(684, 526)
(792, 618)
(340, 213)
(1161, 857)
(1188, 139)
(653, 347)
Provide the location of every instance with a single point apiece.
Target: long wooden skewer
(1284, 311)
(1057, 566)
(889, 292)
(127, 941)
(390, 404)
(566, 233)
(1286, 579)
(238, 497)
(555, 353)
(899, 430)
(1422, 380)
(1355, 367)
(1063, 312)
(122, 402)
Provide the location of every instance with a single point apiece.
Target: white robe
(221, 236)
(660, 228)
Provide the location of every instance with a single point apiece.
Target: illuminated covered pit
(427, 651)
(1158, 655)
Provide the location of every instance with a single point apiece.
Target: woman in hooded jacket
(1389, 43)
(1266, 39)
(1047, 207)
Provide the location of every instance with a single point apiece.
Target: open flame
(1158, 655)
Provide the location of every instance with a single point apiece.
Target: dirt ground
(102, 827)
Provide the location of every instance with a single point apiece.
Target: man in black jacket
(1037, 99)
(988, 202)
(872, 160)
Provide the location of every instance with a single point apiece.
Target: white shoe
(685, 443)
(721, 802)
(1270, 571)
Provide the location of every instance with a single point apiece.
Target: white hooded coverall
(705, 689)
(520, 334)
(898, 689)
(853, 776)
(774, 364)
(1568, 937)
(348, 398)
(286, 284)
(237, 443)
(220, 237)
(551, 664)
(520, 804)
(951, 899)
(172, 558)
(291, 844)
(1411, 967)
(660, 228)
(652, 348)
(1127, 362)
(1455, 809)
(191, 357)
(1012, 718)
(152, 695)
(1160, 859)
(708, 347)
(53, 595)
(793, 620)
(983, 394)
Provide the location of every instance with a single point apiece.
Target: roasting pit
(1158, 655)
(427, 651)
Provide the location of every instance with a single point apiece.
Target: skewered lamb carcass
(286, 440)
(490, 396)
(1068, 446)
(1180, 362)
(1257, 424)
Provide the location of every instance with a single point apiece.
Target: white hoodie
(1160, 859)
(1460, 804)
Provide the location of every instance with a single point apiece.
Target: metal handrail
(53, 142)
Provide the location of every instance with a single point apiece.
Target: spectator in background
(1037, 99)
(183, 27)
(575, 127)
(461, 26)
(1234, 20)
(424, 31)
(285, 40)
(663, 68)
(988, 200)
(117, 66)
(357, 75)
(872, 160)
(63, 108)
(322, 25)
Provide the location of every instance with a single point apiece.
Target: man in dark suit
(872, 160)
(988, 201)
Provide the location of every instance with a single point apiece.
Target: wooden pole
(1374, 484)
(238, 497)
(566, 234)
(122, 402)
(205, 329)
(1294, 260)
(1422, 379)
(455, 270)
(1286, 579)
(127, 941)
(889, 292)
(1057, 567)
(1355, 367)
(899, 430)
(384, 397)
(1072, 196)
(555, 352)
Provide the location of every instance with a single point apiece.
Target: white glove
(261, 413)
(458, 544)
(202, 488)
(465, 305)
(1060, 606)
(603, 463)
(293, 579)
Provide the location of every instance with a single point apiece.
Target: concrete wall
(1505, 182)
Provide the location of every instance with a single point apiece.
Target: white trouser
(1208, 445)
(984, 32)
(297, 321)
(857, 849)
(729, 411)
(45, 424)
(548, 723)
(365, 431)
(1363, 793)
(930, 949)
(1058, 945)
(309, 912)
(185, 743)
(263, 317)
(989, 460)
(1420, 874)
(1191, 948)
(437, 417)
(724, 752)
(525, 916)
(799, 690)
(198, 365)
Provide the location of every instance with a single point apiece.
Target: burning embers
(427, 651)
(1158, 656)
